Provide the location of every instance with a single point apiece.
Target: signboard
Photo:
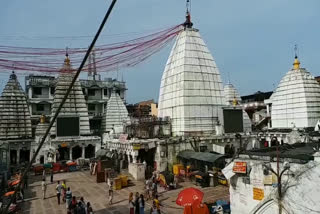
(123, 138)
(136, 146)
(240, 167)
(151, 145)
(227, 171)
(258, 194)
(267, 180)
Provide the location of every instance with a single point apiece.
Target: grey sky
(252, 41)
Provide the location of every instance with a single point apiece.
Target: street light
(278, 174)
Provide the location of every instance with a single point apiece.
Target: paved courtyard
(83, 184)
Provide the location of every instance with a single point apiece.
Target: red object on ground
(189, 196)
(196, 209)
(72, 164)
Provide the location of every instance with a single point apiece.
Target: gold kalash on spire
(296, 63)
(67, 60)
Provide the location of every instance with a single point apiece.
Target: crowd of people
(73, 205)
(137, 203)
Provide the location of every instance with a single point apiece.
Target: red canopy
(15, 182)
(189, 196)
(9, 193)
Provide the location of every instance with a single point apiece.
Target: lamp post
(278, 174)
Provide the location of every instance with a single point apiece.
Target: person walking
(148, 186)
(44, 188)
(73, 205)
(141, 204)
(89, 208)
(157, 202)
(68, 197)
(81, 208)
(64, 190)
(51, 176)
(131, 203)
(25, 183)
(154, 209)
(58, 188)
(136, 204)
(154, 188)
(110, 192)
(44, 174)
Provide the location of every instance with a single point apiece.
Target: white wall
(302, 197)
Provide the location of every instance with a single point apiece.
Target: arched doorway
(89, 151)
(76, 152)
(64, 153)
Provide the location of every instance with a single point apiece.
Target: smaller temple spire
(296, 63)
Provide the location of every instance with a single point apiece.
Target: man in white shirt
(58, 188)
(44, 188)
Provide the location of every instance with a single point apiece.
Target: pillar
(18, 156)
(70, 152)
(83, 151)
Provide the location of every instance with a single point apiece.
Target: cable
(61, 104)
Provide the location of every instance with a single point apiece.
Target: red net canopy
(108, 57)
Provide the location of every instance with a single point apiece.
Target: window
(91, 107)
(91, 92)
(105, 92)
(40, 107)
(118, 92)
(37, 90)
(52, 89)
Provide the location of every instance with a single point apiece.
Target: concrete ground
(84, 185)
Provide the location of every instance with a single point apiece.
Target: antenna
(188, 6)
(295, 51)
(188, 23)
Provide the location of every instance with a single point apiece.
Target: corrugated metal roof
(200, 156)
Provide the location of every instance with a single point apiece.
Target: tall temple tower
(75, 105)
(191, 90)
(14, 112)
(296, 101)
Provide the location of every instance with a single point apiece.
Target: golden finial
(42, 119)
(67, 60)
(296, 63)
(234, 102)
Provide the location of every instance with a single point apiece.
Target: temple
(233, 99)
(296, 101)
(191, 90)
(116, 114)
(15, 126)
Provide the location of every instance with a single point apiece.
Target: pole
(63, 101)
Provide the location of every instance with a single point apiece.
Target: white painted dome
(296, 101)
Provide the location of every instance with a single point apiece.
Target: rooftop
(298, 151)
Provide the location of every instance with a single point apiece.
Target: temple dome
(231, 94)
(191, 90)
(75, 104)
(116, 113)
(233, 99)
(14, 112)
(296, 101)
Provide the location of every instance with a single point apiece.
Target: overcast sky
(252, 41)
